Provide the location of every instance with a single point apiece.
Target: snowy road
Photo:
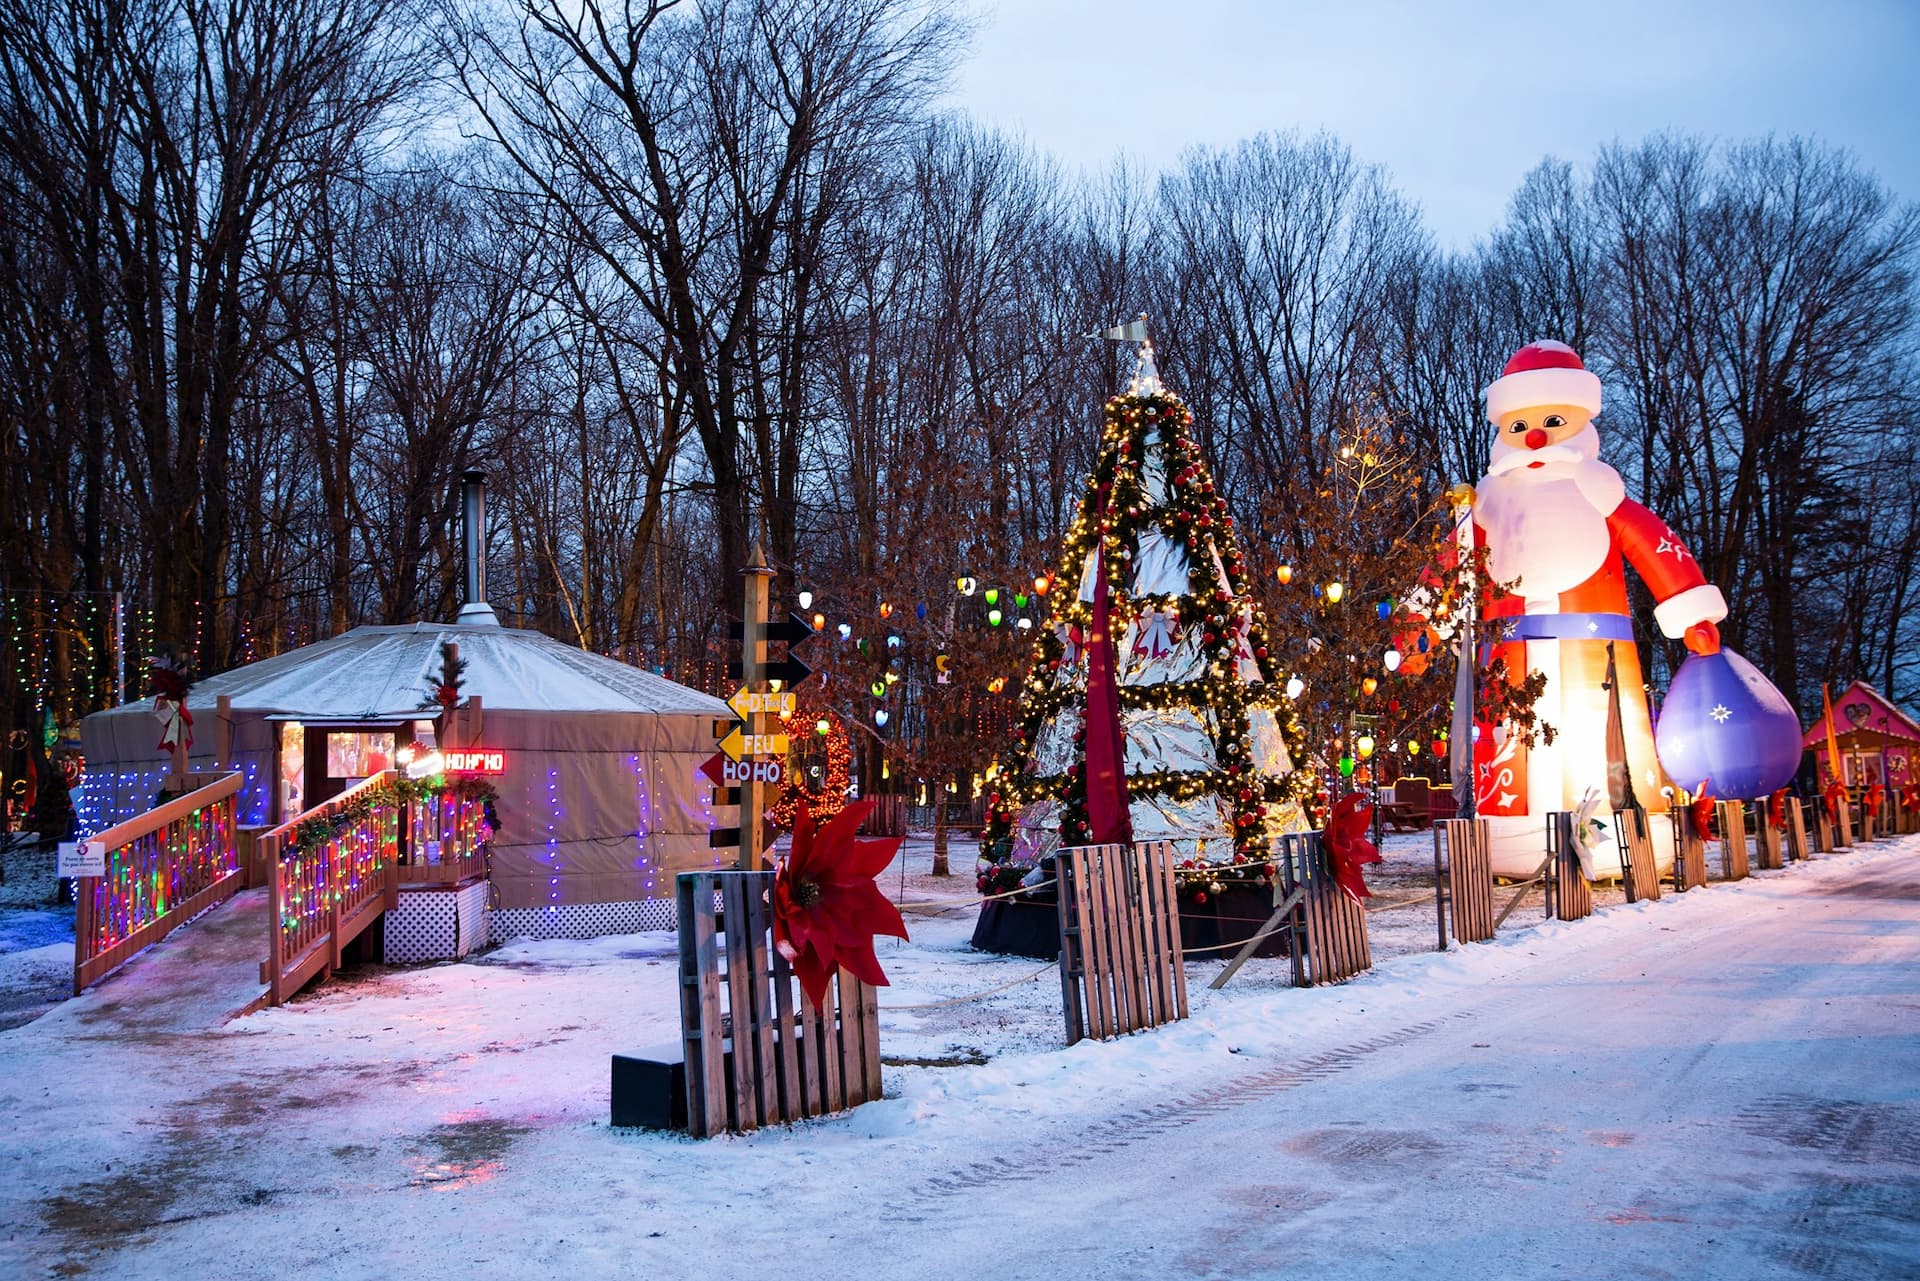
(1721, 1084)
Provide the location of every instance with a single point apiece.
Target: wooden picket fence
(1121, 964)
(444, 845)
(164, 868)
(1843, 826)
(1734, 862)
(1328, 929)
(1639, 872)
(1463, 879)
(1689, 850)
(1569, 896)
(758, 1052)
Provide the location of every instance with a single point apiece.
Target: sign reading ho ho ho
(475, 760)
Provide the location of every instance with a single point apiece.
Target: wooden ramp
(198, 977)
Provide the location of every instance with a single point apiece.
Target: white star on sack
(1673, 545)
(1720, 713)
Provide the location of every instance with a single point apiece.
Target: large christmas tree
(1206, 735)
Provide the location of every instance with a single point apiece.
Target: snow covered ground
(1720, 1084)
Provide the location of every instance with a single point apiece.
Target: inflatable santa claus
(1557, 525)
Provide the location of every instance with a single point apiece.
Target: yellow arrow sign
(745, 702)
(738, 744)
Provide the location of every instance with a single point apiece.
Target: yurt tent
(600, 797)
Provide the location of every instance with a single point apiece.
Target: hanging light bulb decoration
(846, 631)
(819, 622)
(1295, 687)
(1391, 659)
(1364, 746)
(1346, 767)
(920, 611)
(965, 585)
(993, 618)
(991, 595)
(1019, 600)
(1384, 609)
(894, 642)
(886, 610)
(1413, 749)
(878, 689)
(1284, 574)
(1025, 624)
(1369, 685)
(1335, 590)
(822, 727)
(1042, 585)
(880, 716)
(806, 600)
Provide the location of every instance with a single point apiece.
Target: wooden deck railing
(445, 845)
(322, 897)
(163, 868)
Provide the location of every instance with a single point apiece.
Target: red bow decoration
(1875, 799)
(826, 908)
(1777, 808)
(1702, 810)
(1910, 796)
(1348, 846)
(1834, 797)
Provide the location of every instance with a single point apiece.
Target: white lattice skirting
(581, 920)
(435, 924)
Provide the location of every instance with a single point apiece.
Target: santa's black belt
(1616, 627)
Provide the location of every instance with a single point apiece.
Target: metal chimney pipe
(474, 610)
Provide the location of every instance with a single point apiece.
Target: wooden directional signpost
(753, 754)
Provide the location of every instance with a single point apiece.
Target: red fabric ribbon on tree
(826, 908)
(1701, 808)
(1347, 845)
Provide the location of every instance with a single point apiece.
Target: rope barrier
(977, 996)
(1251, 938)
(939, 905)
(1405, 902)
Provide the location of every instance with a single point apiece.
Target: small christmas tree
(1208, 741)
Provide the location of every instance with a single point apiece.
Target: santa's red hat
(1542, 373)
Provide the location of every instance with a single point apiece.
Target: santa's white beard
(1547, 525)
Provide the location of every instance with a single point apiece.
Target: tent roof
(374, 673)
(1879, 716)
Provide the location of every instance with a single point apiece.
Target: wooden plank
(1797, 845)
(700, 1021)
(1072, 947)
(1143, 864)
(759, 958)
(1130, 871)
(1093, 935)
(1170, 910)
(121, 834)
(1126, 974)
(1733, 840)
(744, 1098)
(813, 1094)
(870, 1038)
(786, 1032)
(833, 1088)
(1767, 837)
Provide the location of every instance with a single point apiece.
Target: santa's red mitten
(1703, 638)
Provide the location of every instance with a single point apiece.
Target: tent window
(358, 755)
(293, 768)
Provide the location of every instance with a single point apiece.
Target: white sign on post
(81, 858)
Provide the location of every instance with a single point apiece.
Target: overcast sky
(1457, 99)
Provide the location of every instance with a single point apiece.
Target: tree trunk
(940, 867)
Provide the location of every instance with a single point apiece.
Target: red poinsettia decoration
(1348, 846)
(826, 908)
(1875, 799)
(1702, 808)
(1834, 797)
